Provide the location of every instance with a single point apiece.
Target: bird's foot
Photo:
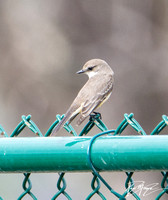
(95, 115)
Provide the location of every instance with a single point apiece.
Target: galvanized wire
(94, 120)
(61, 189)
(95, 189)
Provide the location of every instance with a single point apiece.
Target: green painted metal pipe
(123, 153)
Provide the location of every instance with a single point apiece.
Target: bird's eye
(90, 68)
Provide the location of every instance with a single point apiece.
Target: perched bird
(93, 94)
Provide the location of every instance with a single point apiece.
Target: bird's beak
(80, 71)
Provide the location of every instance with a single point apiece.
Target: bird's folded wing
(91, 104)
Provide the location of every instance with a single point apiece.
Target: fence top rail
(115, 153)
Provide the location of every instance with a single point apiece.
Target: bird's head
(95, 66)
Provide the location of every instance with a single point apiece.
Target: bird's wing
(91, 104)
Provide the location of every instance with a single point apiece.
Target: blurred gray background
(43, 44)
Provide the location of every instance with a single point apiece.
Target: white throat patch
(91, 74)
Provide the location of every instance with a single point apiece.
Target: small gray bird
(93, 94)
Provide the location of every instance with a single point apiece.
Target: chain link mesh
(95, 120)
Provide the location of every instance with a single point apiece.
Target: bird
(93, 94)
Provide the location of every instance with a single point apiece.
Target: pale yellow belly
(104, 100)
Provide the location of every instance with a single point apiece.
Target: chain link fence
(95, 120)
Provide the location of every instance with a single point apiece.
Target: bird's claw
(95, 116)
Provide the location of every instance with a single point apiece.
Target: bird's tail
(61, 123)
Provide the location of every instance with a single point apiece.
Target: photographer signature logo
(143, 189)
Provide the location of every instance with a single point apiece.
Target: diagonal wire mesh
(94, 120)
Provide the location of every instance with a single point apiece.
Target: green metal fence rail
(106, 151)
